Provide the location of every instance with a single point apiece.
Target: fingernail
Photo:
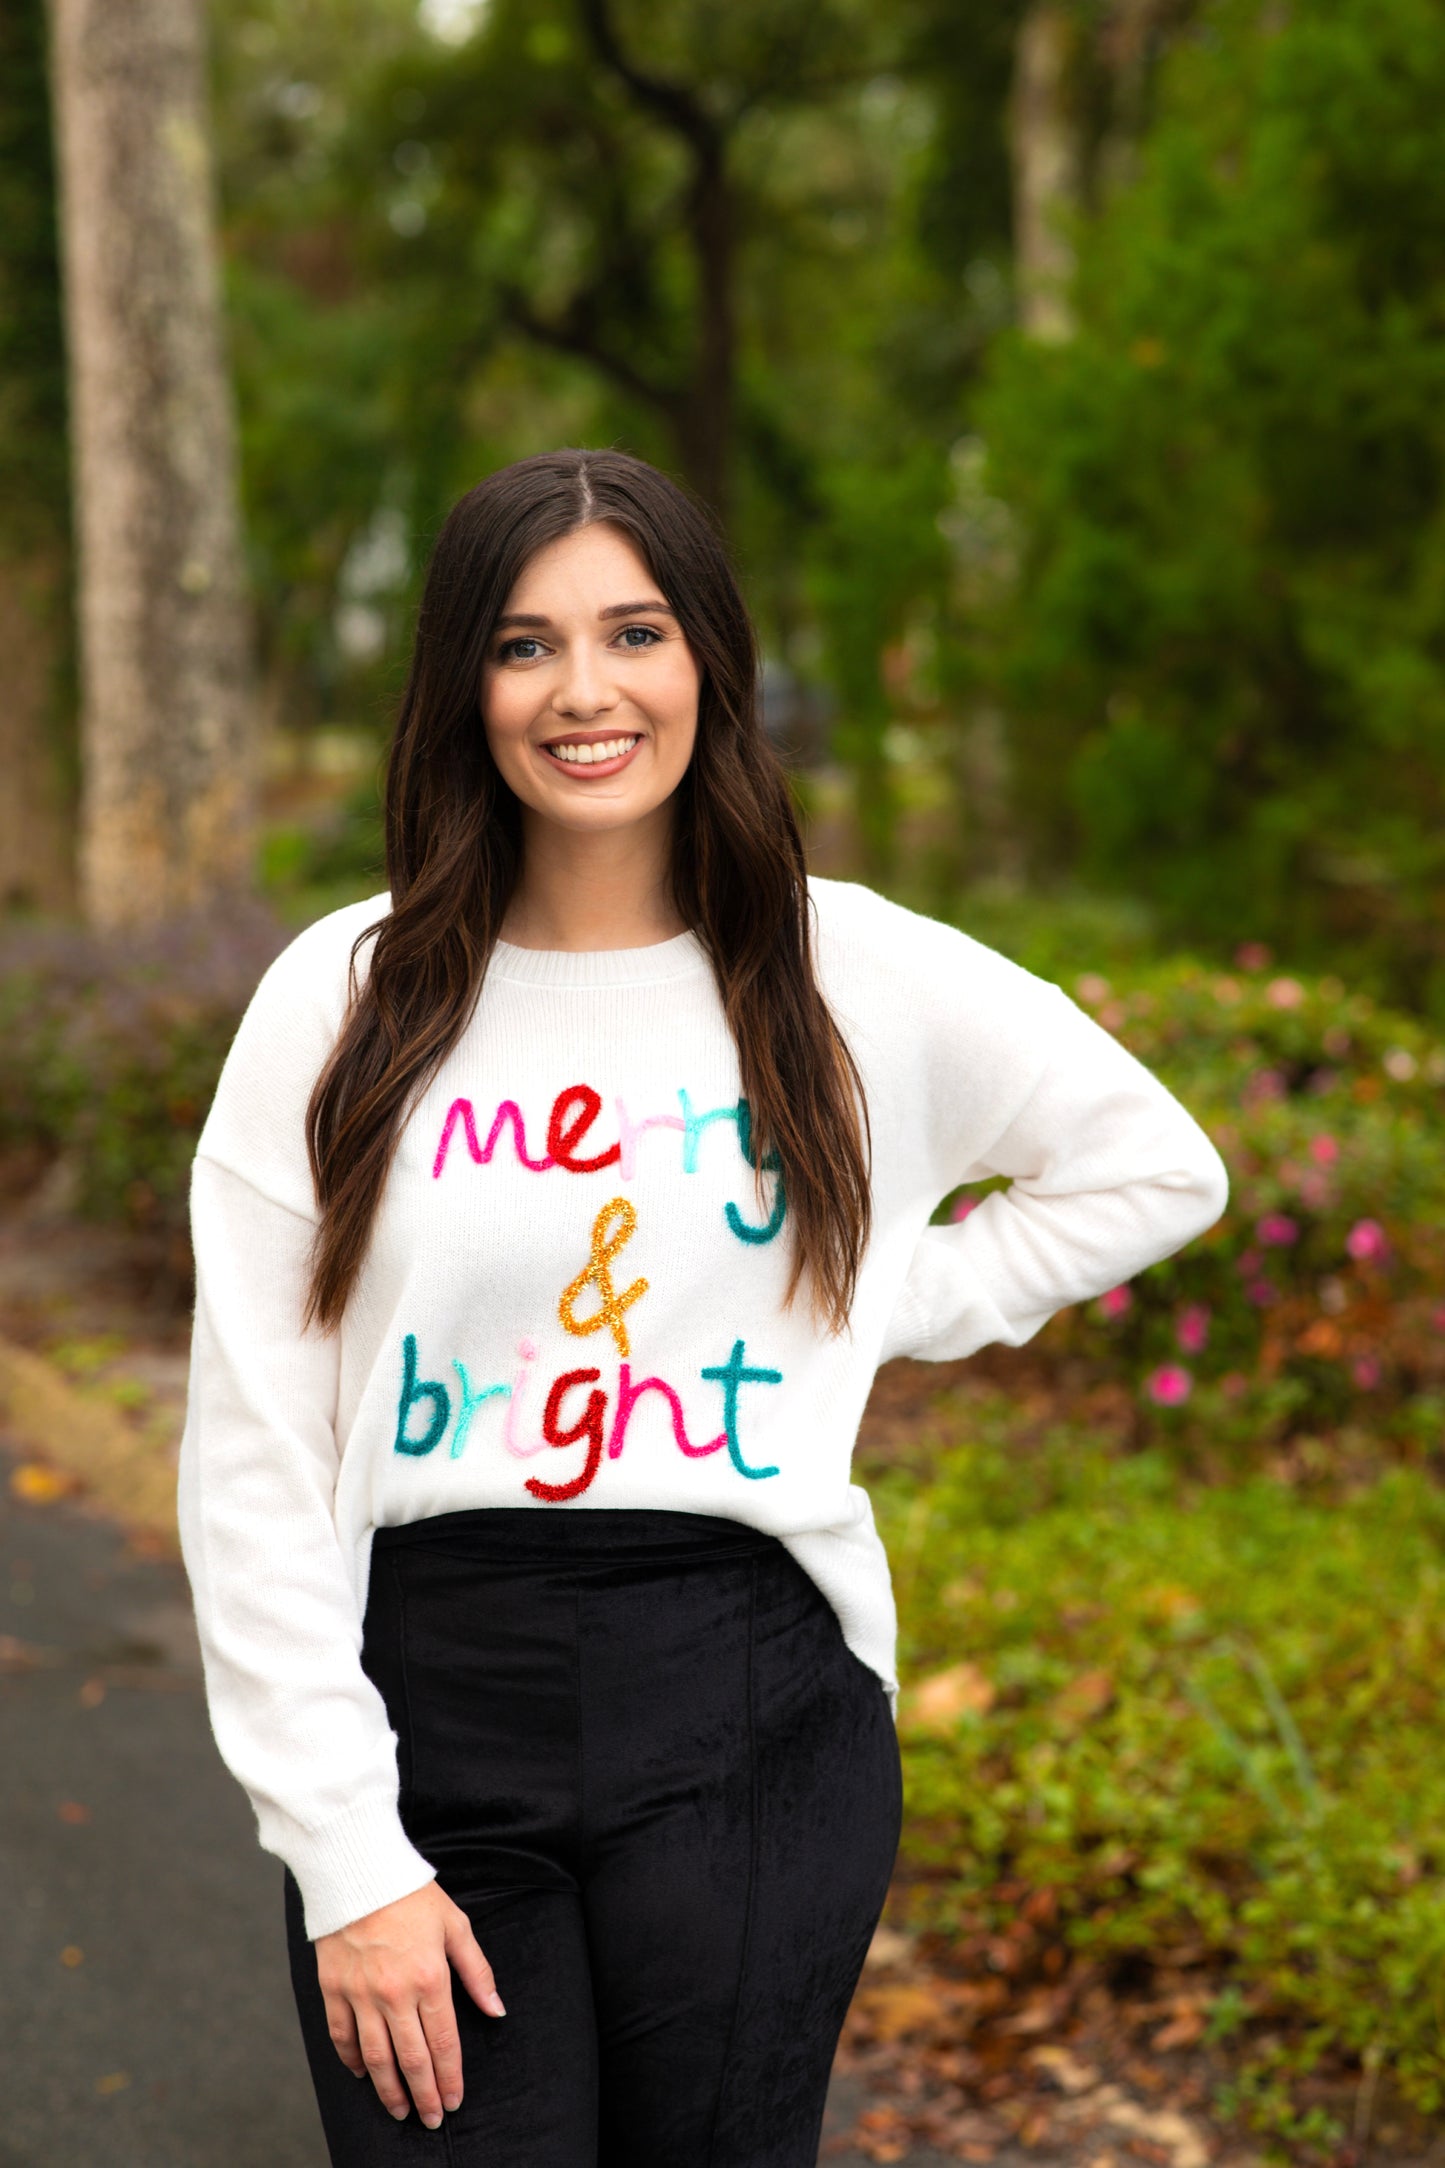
(501, 2006)
(433, 2122)
(452, 2102)
(400, 2114)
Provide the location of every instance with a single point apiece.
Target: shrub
(1319, 1297)
(110, 1051)
(1203, 1718)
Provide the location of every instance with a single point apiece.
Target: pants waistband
(599, 1532)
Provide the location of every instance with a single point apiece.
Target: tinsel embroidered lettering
(413, 1390)
(628, 1132)
(461, 1111)
(573, 1113)
(730, 1375)
(527, 1350)
(605, 1246)
(628, 1396)
(588, 1426)
(469, 1405)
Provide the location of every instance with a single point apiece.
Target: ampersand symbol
(605, 1246)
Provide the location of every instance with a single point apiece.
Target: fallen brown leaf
(935, 1704)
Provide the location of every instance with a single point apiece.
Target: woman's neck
(606, 890)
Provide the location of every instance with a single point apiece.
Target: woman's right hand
(388, 1995)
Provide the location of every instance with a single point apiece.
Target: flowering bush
(1320, 1295)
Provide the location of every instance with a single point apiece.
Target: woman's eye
(508, 649)
(649, 635)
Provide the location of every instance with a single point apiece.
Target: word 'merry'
(573, 1113)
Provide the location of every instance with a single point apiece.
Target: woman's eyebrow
(614, 609)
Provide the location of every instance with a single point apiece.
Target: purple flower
(1262, 1293)
(1278, 1230)
(1367, 1242)
(1116, 1302)
(1367, 1371)
(1249, 1263)
(1323, 1150)
(1169, 1385)
(1192, 1328)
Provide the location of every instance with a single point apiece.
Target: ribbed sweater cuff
(359, 1860)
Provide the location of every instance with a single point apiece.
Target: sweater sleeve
(296, 1719)
(1110, 1173)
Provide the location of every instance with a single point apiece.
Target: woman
(551, 1219)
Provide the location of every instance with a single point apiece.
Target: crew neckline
(680, 957)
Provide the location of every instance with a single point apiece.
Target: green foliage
(1200, 1716)
(1224, 654)
(1316, 1299)
(110, 1052)
(33, 466)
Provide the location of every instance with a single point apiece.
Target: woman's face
(589, 691)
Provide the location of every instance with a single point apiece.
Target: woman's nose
(586, 687)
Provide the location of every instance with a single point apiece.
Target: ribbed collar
(680, 958)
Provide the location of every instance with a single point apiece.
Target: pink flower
(1314, 1189)
(961, 1208)
(1170, 1385)
(1249, 1264)
(1324, 1151)
(1117, 1301)
(1263, 1084)
(1284, 993)
(1367, 1242)
(1278, 1230)
(1253, 955)
(1262, 1293)
(1437, 1318)
(1367, 1371)
(1192, 1328)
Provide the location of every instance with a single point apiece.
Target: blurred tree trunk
(1046, 153)
(166, 724)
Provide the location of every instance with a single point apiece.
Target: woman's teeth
(586, 756)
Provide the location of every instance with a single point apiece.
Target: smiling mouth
(585, 753)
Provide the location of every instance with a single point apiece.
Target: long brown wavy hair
(454, 855)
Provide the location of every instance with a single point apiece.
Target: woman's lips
(579, 758)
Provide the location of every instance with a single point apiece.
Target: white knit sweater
(571, 1196)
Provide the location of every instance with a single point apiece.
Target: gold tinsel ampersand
(597, 1271)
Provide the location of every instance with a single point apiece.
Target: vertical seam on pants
(746, 1950)
(582, 1846)
(405, 1681)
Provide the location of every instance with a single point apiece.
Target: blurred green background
(1070, 378)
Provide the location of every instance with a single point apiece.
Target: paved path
(145, 2005)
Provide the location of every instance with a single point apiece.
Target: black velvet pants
(644, 1761)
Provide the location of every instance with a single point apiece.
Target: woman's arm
(1110, 1173)
(296, 1718)
(297, 1721)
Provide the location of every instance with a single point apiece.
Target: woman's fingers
(475, 1973)
(341, 2024)
(443, 2043)
(388, 1993)
(380, 2062)
(414, 2056)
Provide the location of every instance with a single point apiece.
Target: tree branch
(674, 103)
(574, 334)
